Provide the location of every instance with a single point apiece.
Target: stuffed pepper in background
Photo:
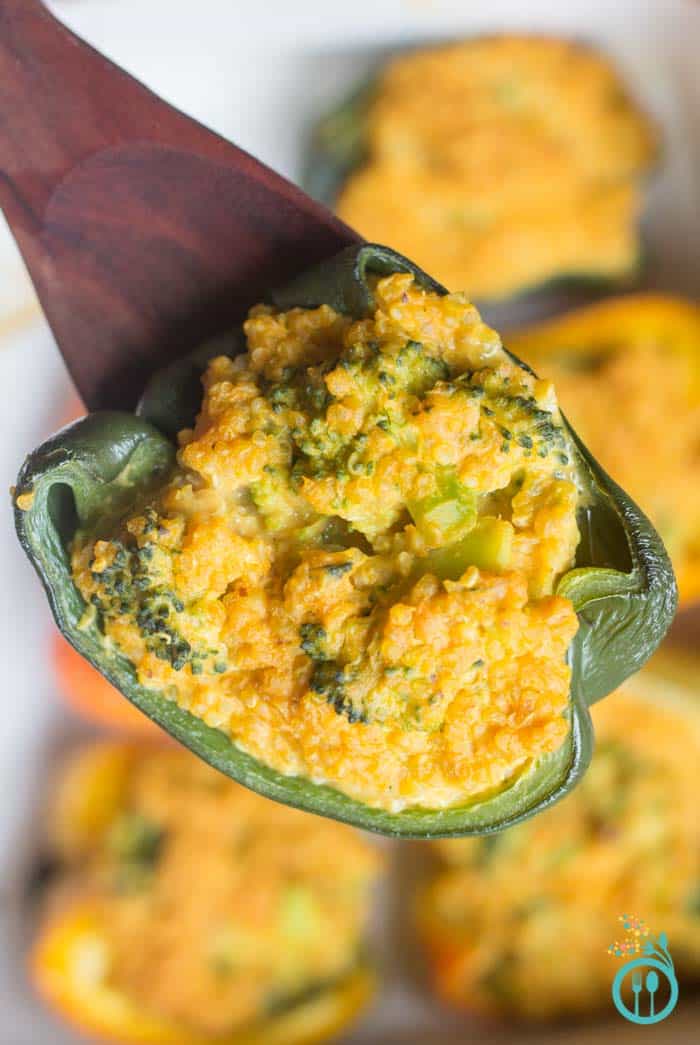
(189, 910)
(369, 571)
(499, 163)
(520, 924)
(627, 373)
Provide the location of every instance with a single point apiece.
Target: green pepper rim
(92, 470)
(337, 146)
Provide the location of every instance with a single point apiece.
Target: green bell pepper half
(622, 586)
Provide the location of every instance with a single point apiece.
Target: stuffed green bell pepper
(502, 164)
(369, 571)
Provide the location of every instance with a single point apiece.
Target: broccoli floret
(330, 679)
(417, 371)
(313, 640)
(521, 419)
(320, 450)
(338, 569)
(130, 587)
(136, 843)
(135, 839)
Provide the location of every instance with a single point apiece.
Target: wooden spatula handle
(142, 230)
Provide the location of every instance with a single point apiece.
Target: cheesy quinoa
(211, 908)
(521, 923)
(500, 163)
(352, 569)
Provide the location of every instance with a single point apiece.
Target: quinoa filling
(501, 163)
(215, 908)
(352, 569)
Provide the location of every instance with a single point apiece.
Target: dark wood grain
(143, 231)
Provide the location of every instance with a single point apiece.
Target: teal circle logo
(646, 974)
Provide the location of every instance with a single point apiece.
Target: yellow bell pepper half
(627, 371)
(69, 967)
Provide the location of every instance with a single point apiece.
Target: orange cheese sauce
(352, 570)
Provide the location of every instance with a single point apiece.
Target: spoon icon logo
(644, 975)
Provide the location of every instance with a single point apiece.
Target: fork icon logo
(644, 976)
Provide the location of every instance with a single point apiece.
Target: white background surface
(259, 73)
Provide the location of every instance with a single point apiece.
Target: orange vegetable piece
(92, 697)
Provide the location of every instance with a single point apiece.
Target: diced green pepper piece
(448, 513)
(489, 546)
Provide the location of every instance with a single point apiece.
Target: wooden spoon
(143, 231)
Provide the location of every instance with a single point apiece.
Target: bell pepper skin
(588, 330)
(67, 968)
(585, 334)
(622, 586)
(338, 145)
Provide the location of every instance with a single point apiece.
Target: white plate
(259, 74)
